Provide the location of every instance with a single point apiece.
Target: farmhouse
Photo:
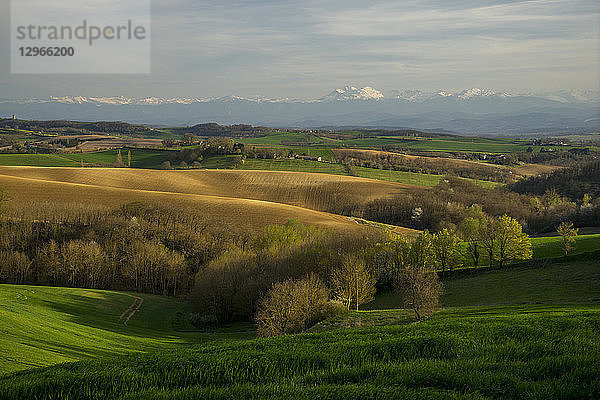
(309, 158)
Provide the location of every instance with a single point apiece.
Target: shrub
(292, 306)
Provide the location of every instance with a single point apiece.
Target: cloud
(304, 48)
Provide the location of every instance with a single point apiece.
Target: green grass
(551, 247)
(491, 353)
(293, 165)
(46, 325)
(279, 138)
(449, 144)
(576, 282)
(140, 158)
(547, 247)
(36, 160)
(218, 162)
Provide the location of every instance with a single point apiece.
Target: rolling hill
(296, 188)
(48, 325)
(247, 199)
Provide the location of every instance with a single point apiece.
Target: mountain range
(470, 111)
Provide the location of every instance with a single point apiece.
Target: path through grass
(46, 325)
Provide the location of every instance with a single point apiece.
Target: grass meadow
(48, 325)
(445, 144)
(567, 283)
(551, 246)
(496, 352)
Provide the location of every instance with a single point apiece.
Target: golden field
(251, 199)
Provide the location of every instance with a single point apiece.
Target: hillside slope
(48, 325)
(509, 353)
(28, 194)
(310, 190)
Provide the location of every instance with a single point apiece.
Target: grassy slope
(36, 160)
(520, 351)
(45, 325)
(551, 247)
(511, 352)
(576, 282)
(140, 158)
(546, 247)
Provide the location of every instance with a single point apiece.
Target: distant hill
(213, 129)
(75, 126)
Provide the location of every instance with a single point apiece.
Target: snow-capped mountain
(472, 110)
(414, 95)
(346, 94)
(351, 93)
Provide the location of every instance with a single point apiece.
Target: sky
(305, 49)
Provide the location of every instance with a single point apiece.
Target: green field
(293, 165)
(45, 325)
(504, 352)
(528, 332)
(448, 144)
(568, 283)
(551, 247)
(37, 160)
(140, 158)
(547, 247)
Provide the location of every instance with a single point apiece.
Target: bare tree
(418, 280)
(352, 282)
(422, 291)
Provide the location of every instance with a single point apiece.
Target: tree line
(446, 205)
(294, 275)
(425, 165)
(574, 182)
(140, 246)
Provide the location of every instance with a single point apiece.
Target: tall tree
(446, 249)
(512, 242)
(470, 230)
(119, 159)
(128, 158)
(567, 234)
(418, 280)
(352, 282)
